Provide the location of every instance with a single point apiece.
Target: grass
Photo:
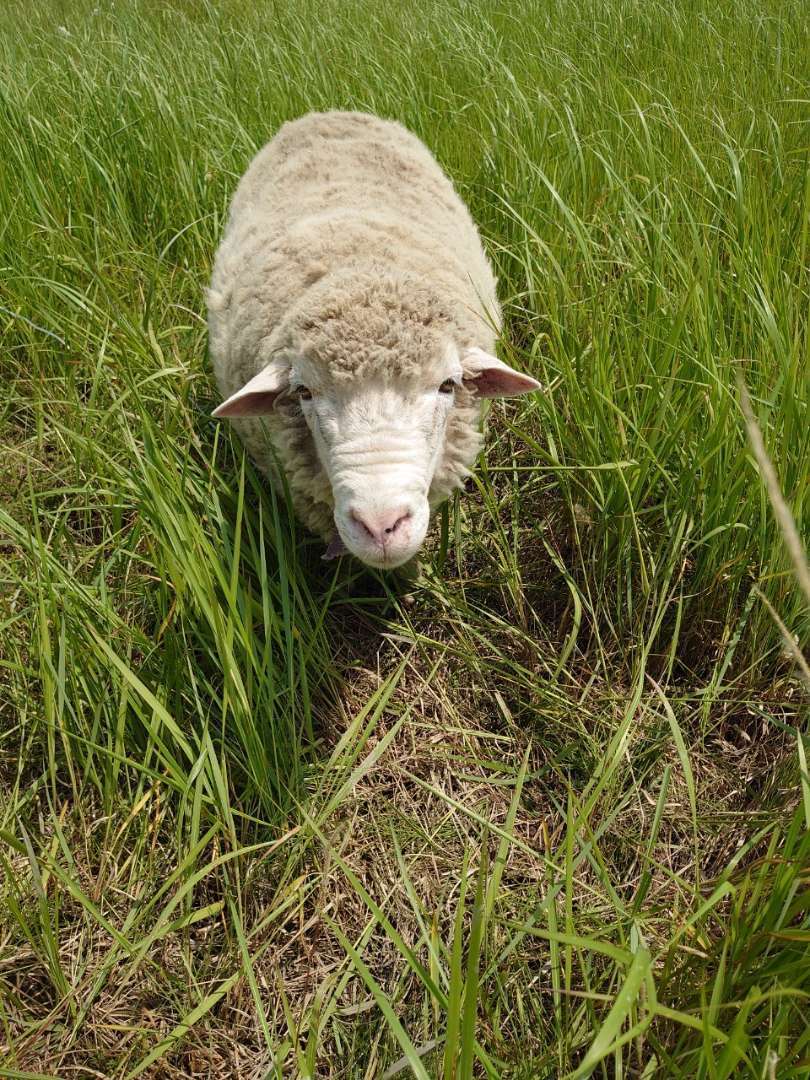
(258, 819)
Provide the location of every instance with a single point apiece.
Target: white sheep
(352, 318)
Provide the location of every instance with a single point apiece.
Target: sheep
(352, 318)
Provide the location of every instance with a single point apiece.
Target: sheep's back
(332, 189)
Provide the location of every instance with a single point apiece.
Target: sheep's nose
(381, 527)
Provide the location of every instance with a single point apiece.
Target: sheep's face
(379, 439)
(380, 443)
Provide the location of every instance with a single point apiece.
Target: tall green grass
(260, 818)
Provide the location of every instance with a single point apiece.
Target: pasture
(258, 817)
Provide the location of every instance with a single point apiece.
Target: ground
(259, 816)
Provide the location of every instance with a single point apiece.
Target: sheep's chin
(384, 563)
(379, 559)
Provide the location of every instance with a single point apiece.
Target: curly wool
(347, 244)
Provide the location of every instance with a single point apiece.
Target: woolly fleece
(347, 245)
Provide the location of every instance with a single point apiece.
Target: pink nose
(382, 527)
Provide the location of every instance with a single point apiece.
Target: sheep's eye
(448, 386)
(303, 393)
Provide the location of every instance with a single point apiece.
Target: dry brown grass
(447, 773)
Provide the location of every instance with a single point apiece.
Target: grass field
(257, 817)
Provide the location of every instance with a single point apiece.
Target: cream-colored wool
(347, 251)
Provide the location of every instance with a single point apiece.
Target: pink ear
(491, 378)
(257, 397)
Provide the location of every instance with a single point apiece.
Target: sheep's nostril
(393, 528)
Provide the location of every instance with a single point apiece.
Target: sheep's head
(379, 437)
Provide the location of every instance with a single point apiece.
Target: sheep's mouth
(336, 548)
(384, 563)
(379, 560)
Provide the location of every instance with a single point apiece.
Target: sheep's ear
(489, 377)
(257, 397)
